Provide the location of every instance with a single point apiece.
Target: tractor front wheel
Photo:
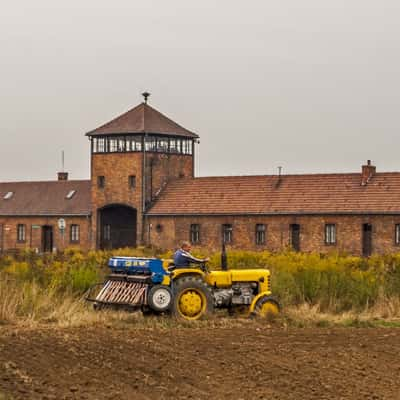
(193, 298)
(267, 307)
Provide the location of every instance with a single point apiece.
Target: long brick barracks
(142, 191)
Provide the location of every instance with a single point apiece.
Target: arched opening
(117, 226)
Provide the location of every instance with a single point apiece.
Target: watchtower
(133, 157)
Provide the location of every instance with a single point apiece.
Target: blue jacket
(183, 258)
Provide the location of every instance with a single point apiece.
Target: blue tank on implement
(138, 266)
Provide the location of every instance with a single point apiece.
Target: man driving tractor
(183, 258)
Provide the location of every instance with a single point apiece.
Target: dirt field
(251, 361)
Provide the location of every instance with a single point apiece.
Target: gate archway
(117, 226)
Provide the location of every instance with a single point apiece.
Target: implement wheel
(193, 299)
(267, 307)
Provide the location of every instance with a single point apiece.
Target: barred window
(227, 231)
(195, 233)
(260, 234)
(330, 234)
(74, 233)
(21, 233)
(397, 234)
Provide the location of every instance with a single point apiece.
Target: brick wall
(117, 167)
(161, 168)
(167, 232)
(33, 239)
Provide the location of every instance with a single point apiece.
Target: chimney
(367, 172)
(62, 176)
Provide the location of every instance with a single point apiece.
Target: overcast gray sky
(311, 85)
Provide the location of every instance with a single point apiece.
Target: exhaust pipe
(224, 259)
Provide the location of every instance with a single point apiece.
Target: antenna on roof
(62, 160)
(279, 180)
(146, 95)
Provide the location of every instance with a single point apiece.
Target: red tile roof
(45, 198)
(306, 194)
(142, 119)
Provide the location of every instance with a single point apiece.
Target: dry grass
(31, 307)
(384, 312)
(315, 290)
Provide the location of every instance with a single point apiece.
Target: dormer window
(70, 194)
(8, 195)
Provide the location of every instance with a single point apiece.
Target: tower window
(195, 233)
(330, 234)
(260, 234)
(21, 233)
(162, 145)
(227, 231)
(132, 181)
(133, 143)
(151, 143)
(74, 233)
(121, 145)
(101, 182)
(99, 145)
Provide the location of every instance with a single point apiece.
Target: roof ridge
(146, 105)
(43, 181)
(290, 175)
(114, 119)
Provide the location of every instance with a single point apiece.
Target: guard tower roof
(142, 119)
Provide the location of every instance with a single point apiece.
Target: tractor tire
(267, 307)
(160, 298)
(193, 298)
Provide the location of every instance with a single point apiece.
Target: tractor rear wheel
(267, 307)
(193, 298)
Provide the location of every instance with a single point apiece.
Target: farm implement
(154, 285)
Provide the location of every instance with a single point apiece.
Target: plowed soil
(246, 362)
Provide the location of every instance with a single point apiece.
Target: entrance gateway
(118, 225)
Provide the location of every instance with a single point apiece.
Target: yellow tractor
(188, 293)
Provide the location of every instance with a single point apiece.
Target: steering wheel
(203, 267)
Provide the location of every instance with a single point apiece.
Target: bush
(333, 282)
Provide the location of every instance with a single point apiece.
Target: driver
(183, 258)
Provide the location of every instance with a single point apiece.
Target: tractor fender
(253, 303)
(179, 272)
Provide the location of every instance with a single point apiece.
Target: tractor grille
(123, 292)
(269, 282)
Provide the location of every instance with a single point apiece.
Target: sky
(311, 86)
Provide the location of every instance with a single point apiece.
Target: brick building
(142, 190)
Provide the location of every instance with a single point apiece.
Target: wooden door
(47, 239)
